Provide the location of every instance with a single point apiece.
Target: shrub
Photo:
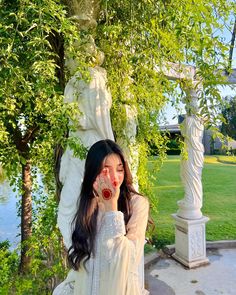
(8, 267)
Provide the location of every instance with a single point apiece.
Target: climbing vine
(138, 38)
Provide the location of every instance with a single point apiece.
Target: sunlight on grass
(211, 159)
(227, 159)
(219, 199)
(167, 187)
(220, 159)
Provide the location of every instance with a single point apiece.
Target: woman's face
(115, 168)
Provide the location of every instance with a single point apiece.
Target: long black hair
(85, 220)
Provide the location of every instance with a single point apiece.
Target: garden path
(169, 277)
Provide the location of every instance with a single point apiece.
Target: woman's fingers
(104, 187)
(107, 192)
(105, 172)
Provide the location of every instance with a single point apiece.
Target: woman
(108, 229)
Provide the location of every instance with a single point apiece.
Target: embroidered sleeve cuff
(114, 224)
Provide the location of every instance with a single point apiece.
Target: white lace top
(117, 266)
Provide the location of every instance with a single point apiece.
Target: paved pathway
(168, 277)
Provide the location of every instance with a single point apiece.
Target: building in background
(211, 146)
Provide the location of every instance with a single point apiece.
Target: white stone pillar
(190, 241)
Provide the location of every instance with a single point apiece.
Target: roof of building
(170, 128)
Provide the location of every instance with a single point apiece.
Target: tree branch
(30, 134)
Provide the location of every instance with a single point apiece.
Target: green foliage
(173, 147)
(32, 75)
(48, 266)
(34, 120)
(139, 37)
(46, 250)
(229, 113)
(8, 266)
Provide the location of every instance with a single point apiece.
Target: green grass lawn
(219, 199)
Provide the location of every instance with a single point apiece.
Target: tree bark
(232, 42)
(26, 216)
(58, 152)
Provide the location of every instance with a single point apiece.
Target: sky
(171, 113)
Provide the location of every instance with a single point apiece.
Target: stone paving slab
(168, 277)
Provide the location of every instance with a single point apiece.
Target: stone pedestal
(190, 241)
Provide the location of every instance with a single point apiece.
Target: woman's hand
(108, 192)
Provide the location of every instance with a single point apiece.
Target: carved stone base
(190, 241)
(186, 211)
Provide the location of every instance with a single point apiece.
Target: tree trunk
(26, 216)
(232, 42)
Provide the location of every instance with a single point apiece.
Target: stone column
(190, 241)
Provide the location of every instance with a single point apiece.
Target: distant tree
(33, 117)
(229, 114)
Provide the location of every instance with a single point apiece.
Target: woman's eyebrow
(120, 165)
(107, 165)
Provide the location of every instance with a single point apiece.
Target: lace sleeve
(121, 250)
(115, 227)
(114, 234)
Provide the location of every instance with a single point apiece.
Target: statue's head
(85, 12)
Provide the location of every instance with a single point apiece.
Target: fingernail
(115, 183)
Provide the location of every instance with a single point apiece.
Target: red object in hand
(106, 193)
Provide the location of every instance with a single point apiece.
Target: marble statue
(94, 102)
(191, 168)
(190, 237)
(84, 11)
